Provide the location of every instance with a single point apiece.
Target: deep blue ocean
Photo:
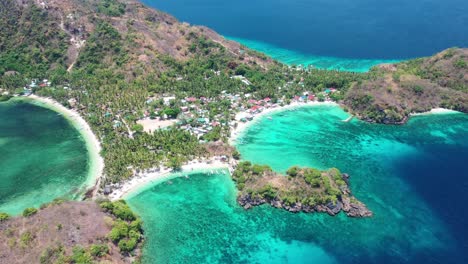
(322, 31)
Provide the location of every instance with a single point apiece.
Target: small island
(302, 189)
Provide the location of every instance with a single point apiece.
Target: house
(107, 190)
(254, 109)
(252, 102)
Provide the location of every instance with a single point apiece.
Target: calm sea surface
(332, 33)
(42, 157)
(413, 177)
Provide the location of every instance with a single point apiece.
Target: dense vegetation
(132, 53)
(127, 231)
(302, 189)
(31, 43)
(72, 232)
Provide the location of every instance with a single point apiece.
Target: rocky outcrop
(301, 190)
(348, 204)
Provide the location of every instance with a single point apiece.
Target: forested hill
(115, 61)
(40, 35)
(412, 86)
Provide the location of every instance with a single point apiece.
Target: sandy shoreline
(151, 177)
(96, 165)
(147, 179)
(435, 111)
(242, 127)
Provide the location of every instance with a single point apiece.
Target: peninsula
(161, 96)
(106, 63)
(72, 232)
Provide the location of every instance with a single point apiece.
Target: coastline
(93, 145)
(242, 127)
(435, 111)
(145, 180)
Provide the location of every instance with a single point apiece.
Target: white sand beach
(242, 126)
(436, 111)
(92, 143)
(138, 182)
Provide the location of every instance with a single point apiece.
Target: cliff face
(394, 91)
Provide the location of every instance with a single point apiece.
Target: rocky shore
(302, 190)
(350, 206)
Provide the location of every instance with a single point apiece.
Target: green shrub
(119, 209)
(136, 225)
(460, 63)
(81, 256)
(119, 231)
(111, 8)
(26, 238)
(127, 245)
(4, 217)
(29, 211)
(418, 89)
(268, 192)
(122, 211)
(292, 171)
(289, 200)
(236, 155)
(257, 169)
(98, 250)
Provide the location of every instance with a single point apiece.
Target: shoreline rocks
(350, 206)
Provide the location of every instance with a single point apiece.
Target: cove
(43, 157)
(332, 34)
(413, 177)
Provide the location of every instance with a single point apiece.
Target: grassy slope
(418, 85)
(68, 232)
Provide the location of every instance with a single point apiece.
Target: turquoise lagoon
(413, 177)
(291, 57)
(43, 157)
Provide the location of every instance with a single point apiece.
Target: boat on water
(270, 118)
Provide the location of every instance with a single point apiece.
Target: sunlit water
(413, 178)
(338, 34)
(42, 157)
